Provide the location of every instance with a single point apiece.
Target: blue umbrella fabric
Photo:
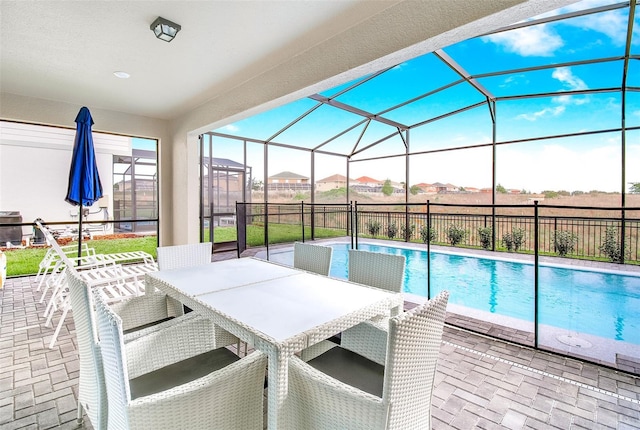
(84, 187)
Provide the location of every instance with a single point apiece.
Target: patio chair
(193, 254)
(49, 262)
(120, 283)
(340, 389)
(385, 271)
(216, 389)
(194, 334)
(312, 258)
(377, 269)
(177, 256)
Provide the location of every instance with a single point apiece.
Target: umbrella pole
(80, 234)
(80, 226)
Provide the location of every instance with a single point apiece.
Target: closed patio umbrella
(84, 181)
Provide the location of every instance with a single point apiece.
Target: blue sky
(578, 163)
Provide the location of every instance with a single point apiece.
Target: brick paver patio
(480, 382)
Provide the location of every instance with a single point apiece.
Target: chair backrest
(193, 254)
(114, 363)
(92, 394)
(414, 342)
(377, 269)
(312, 258)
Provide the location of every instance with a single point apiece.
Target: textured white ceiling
(68, 50)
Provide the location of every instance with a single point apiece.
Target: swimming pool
(603, 304)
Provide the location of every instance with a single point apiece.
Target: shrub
(513, 241)
(564, 242)
(427, 234)
(485, 234)
(392, 230)
(455, 234)
(407, 231)
(373, 227)
(611, 246)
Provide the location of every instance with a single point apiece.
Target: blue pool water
(599, 303)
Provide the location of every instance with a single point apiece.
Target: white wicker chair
(177, 256)
(377, 269)
(385, 271)
(341, 390)
(215, 390)
(196, 335)
(194, 254)
(312, 258)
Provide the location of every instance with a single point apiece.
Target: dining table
(277, 309)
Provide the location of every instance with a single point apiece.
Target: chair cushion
(143, 326)
(180, 373)
(352, 369)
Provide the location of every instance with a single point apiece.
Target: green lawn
(25, 261)
(278, 233)
(21, 262)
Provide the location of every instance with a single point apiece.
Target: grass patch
(278, 233)
(22, 262)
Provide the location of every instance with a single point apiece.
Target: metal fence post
(428, 251)
(535, 273)
(302, 218)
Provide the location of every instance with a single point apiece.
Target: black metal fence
(592, 233)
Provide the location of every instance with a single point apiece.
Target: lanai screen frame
(491, 101)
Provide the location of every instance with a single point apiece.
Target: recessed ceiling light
(121, 75)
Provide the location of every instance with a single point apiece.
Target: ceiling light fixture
(165, 29)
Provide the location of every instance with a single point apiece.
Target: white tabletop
(222, 275)
(290, 306)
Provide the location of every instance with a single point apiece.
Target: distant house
(446, 188)
(368, 181)
(288, 181)
(366, 184)
(426, 188)
(331, 182)
(472, 189)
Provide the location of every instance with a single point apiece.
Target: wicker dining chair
(380, 270)
(136, 313)
(340, 389)
(191, 255)
(377, 269)
(177, 256)
(216, 389)
(312, 258)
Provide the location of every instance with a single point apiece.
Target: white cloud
(231, 127)
(553, 111)
(513, 81)
(612, 24)
(538, 40)
(566, 76)
(570, 82)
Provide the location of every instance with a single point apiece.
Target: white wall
(34, 170)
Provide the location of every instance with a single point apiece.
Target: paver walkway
(480, 383)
